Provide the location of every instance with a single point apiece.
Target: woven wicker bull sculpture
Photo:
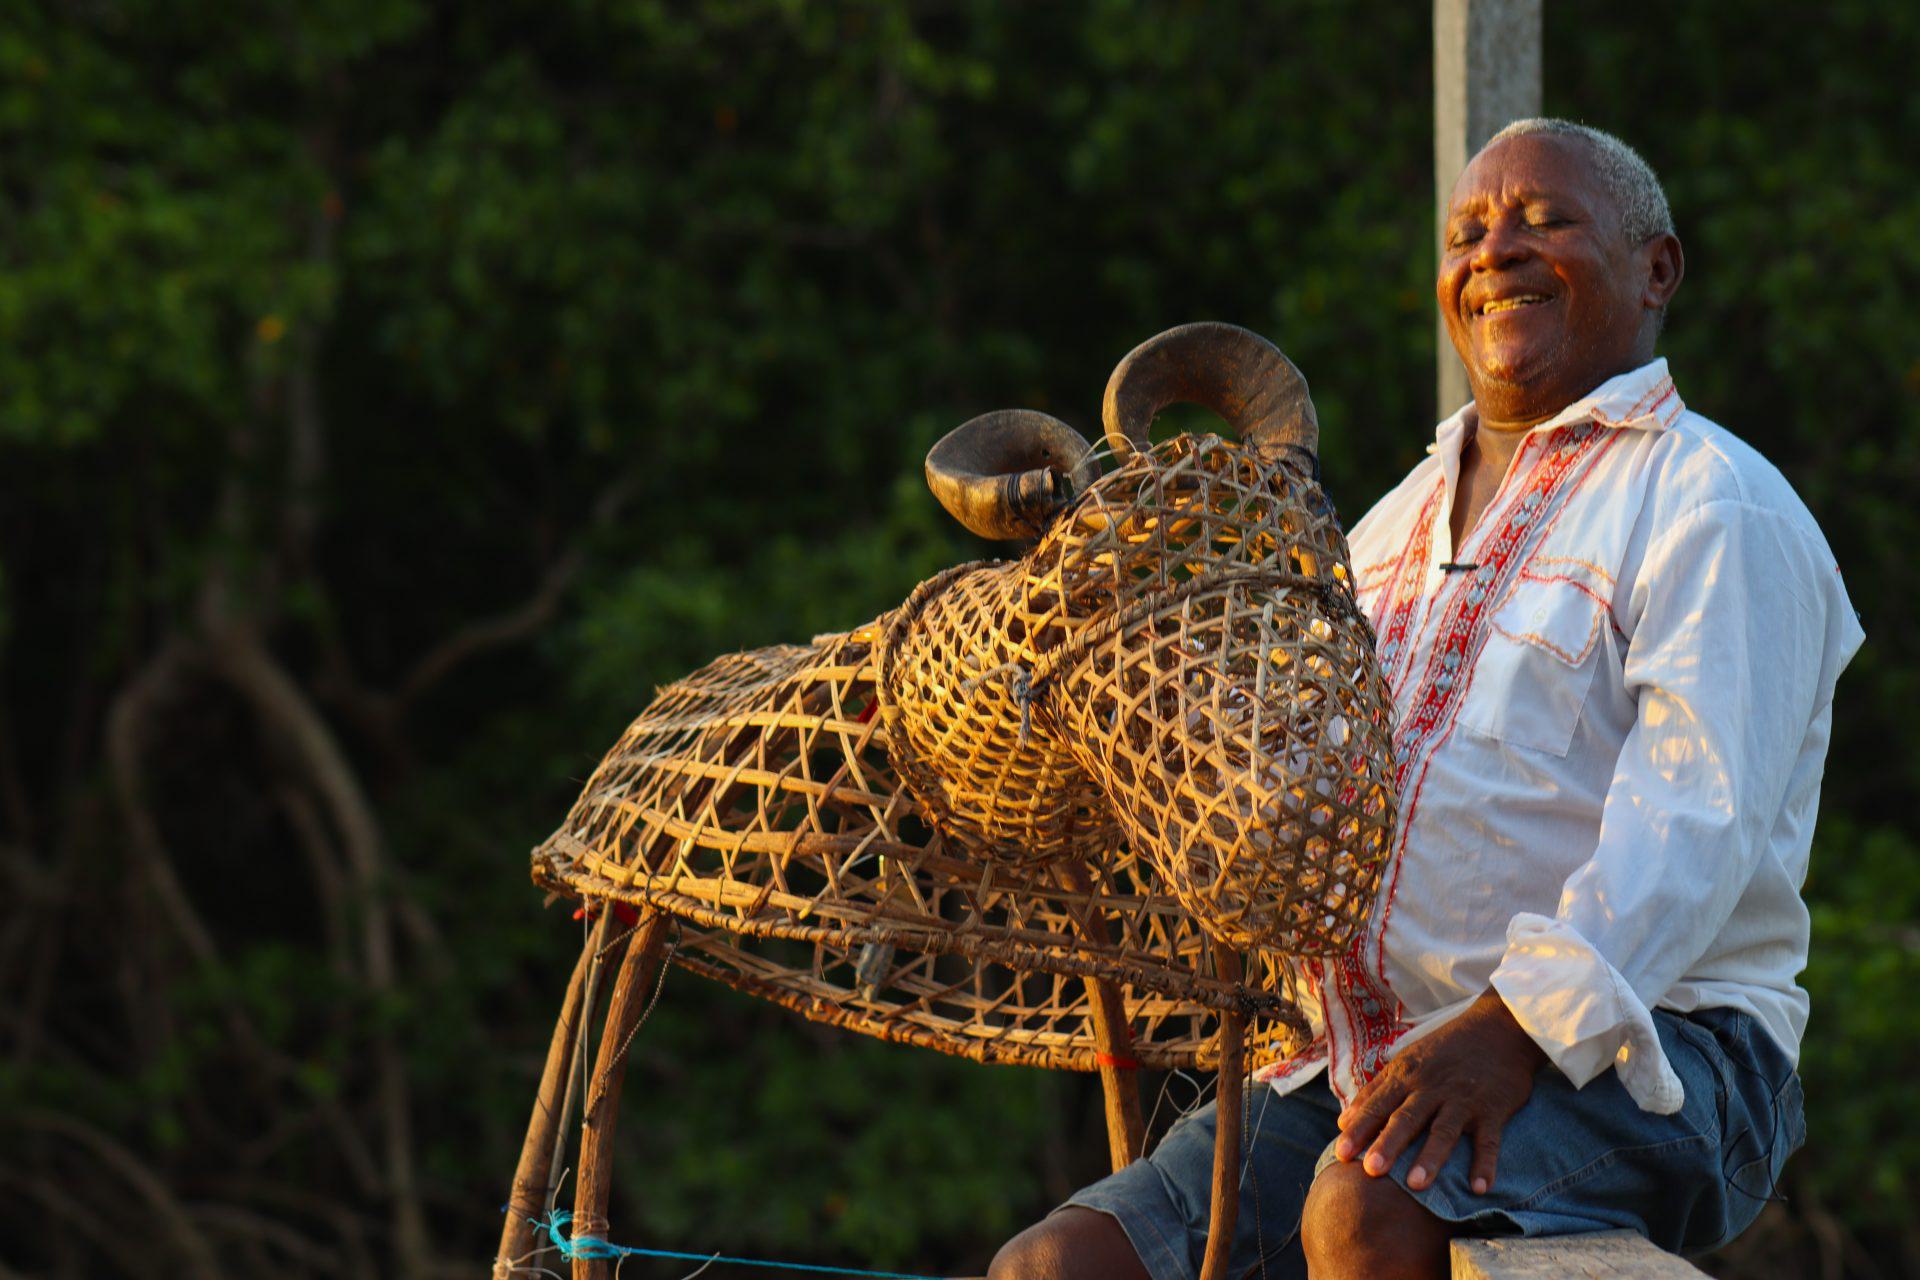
(1074, 810)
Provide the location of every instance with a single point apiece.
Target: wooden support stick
(1226, 1137)
(1119, 1073)
(528, 1200)
(631, 991)
(598, 951)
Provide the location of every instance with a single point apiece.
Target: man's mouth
(1497, 305)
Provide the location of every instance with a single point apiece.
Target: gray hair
(1627, 177)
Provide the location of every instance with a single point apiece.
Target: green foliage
(350, 324)
(1865, 967)
(811, 1141)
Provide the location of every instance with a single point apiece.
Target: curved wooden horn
(1005, 474)
(1233, 371)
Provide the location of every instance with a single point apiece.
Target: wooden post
(1226, 1119)
(528, 1200)
(631, 991)
(598, 951)
(1119, 1074)
(1486, 74)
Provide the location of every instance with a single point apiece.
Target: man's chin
(1510, 373)
(1508, 369)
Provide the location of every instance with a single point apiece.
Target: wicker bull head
(1178, 663)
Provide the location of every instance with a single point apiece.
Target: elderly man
(1612, 634)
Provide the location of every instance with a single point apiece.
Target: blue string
(595, 1247)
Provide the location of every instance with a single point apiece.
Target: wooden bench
(1603, 1255)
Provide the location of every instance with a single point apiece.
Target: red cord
(622, 911)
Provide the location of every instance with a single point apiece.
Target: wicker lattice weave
(1163, 722)
(953, 664)
(978, 1010)
(755, 801)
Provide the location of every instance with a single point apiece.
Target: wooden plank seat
(1600, 1255)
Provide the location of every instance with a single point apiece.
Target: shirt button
(1539, 616)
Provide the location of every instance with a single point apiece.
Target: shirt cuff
(1289, 1074)
(1582, 1013)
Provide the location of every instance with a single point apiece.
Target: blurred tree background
(392, 393)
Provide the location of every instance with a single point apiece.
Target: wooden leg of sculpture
(528, 1200)
(631, 992)
(1119, 1073)
(1226, 1141)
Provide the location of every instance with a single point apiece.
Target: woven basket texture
(1162, 726)
(1180, 663)
(980, 1010)
(755, 801)
(955, 664)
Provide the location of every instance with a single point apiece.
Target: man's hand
(1469, 1076)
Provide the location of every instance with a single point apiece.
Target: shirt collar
(1643, 399)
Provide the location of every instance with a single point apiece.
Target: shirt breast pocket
(1532, 677)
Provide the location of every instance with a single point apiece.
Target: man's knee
(1356, 1225)
(1073, 1244)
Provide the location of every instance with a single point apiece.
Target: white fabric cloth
(1610, 737)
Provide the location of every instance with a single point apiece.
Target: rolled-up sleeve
(1740, 630)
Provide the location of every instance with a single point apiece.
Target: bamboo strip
(1226, 1134)
(624, 1007)
(527, 1202)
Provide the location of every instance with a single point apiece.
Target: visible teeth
(1508, 304)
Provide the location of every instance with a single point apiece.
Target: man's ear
(1666, 264)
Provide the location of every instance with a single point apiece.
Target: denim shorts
(1571, 1160)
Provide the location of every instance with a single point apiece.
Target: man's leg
(1359, 1227)
(1071, 1243)
(1574, 1160)
(1150, 1219)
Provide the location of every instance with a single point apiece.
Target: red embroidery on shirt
(1666, 395)
(1656, 395)
(1535, 563)
(1404, 595)
(1531, 574)
(1356, 997)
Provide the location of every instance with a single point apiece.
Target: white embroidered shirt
(1609, 737)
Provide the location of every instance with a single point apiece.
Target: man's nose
(1501, 245)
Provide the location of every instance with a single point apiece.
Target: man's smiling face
(1543, 296)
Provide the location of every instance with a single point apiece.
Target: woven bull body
(1076, 809)
(757, 802)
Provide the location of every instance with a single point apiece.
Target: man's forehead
(1467, 199)
(1525, 169)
